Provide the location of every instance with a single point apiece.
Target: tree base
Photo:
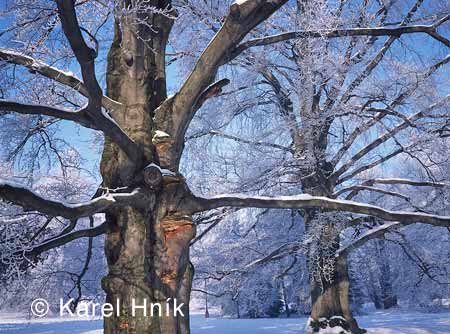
(333, 325)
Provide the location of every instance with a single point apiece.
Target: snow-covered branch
(51, 72)
(308, 201)
(369, 235)
(30, 200)
(179, 110)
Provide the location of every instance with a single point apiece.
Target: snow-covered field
(394, 322)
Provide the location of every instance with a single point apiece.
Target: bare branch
(250, 142)
(337, 33)
(79, 116)
(66, 238)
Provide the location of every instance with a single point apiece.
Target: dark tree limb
(79, 116)
(29, 200)
(84, 270)
(338, 33)
(66, 238)
(53, 73)
(211, 91)
(175, 114)
(86, 58)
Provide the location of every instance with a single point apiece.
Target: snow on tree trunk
(329, 279)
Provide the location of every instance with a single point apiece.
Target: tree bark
(147, 250)
(148, 261)
(329, 286)
(329, 278)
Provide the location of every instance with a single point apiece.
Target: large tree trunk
(387, 294)
(148, 262)
(329, 284)
(329, 279)
(147, 250)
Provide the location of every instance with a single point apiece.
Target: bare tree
(146, 201)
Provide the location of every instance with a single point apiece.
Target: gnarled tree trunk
(147, 250)
(329, 278)
(329, 285)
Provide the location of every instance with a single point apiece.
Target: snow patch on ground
(380, 322)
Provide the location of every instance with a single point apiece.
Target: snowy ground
(394, 322)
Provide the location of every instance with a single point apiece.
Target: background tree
(147, 203)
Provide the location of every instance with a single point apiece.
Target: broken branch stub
(153, 177)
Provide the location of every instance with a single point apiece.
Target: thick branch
(377, 232)
(86, 58)
(79, 116)
(243, 17)
(308, 201)
(336, 33)
(29, 200)
(50, 72)
(66, 238)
